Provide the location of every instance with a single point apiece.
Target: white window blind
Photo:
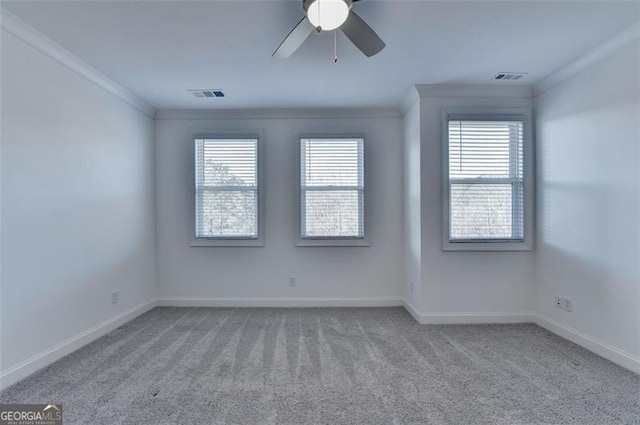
(332, 188)
(486, 181)
(226, 181)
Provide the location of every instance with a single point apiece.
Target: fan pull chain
(335, 46)
(319, 28)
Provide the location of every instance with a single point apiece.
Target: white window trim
(526, 116)
(330, 242)
(231, 241)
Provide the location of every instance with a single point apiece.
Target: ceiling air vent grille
(510, 76)
(207, 93)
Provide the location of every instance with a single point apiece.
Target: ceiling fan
(328, 15)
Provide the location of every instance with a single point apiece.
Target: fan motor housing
(307, 3)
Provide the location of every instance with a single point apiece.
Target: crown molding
(20, 29)
(474, 90)
(409, 100)
(618, 41)
(227, 114)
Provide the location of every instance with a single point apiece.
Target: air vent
(207, 93)
(510, 76)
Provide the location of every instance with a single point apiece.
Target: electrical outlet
(411, 287)
(557, 301)
(115, 297)
(292, 281)
(567, 304)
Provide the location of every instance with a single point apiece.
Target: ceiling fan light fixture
(327, 15)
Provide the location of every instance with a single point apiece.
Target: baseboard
(461, 318)
(281, 302)
(412, 310)
(601, 348)
(609, 352)
(47, 357)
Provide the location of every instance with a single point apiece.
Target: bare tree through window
(486, 180)
(332, 188)
(226, 188)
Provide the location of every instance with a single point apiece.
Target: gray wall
(456, 286)
(412, 205)
(77, 204)
(588, 140)
(208, 274)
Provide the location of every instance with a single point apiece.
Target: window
(332, 190)
(227, 193)
(485, 190)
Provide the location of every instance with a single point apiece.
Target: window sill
(332, 242)
(226, 243)
(486, 246)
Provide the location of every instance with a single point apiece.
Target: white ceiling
(160, 49)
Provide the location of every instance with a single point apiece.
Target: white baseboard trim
(281, 302)
(412, 310)
(601, 348)
(58, 351)
(47, 357)
(468, 318)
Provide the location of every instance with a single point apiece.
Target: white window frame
(335, 240)
(487, 114)
(229, 241)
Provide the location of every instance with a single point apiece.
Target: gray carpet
(330, 366)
